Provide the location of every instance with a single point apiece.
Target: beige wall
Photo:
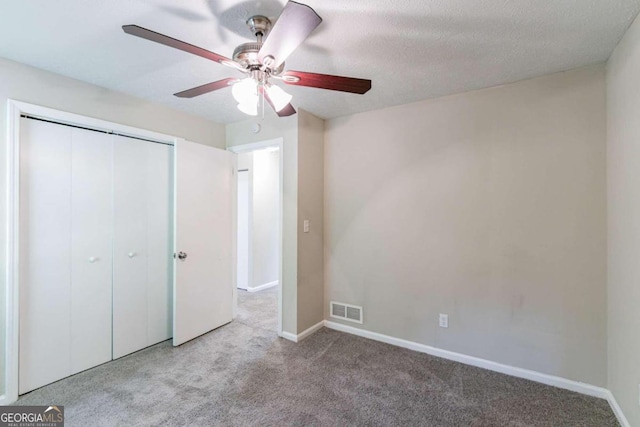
(27, 84)
(286, 128)
(310, 207)
(623, 179)
(488, 206)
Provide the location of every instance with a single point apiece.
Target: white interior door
(203, 286)
(242, 240)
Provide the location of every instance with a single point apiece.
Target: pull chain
(263, 89)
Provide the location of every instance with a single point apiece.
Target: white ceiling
(411, 50)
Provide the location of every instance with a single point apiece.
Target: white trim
(539, 377)
(304, 334)
(289, 336)
(617, 410)
(234, 239)
(174, 227)
(12, 304)
(85, 121)
(4, 400)
(244, 148)
(310, 331)
(264, 286)
(11, 285)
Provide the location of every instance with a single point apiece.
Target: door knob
(93, 259)
(131, 254)
(181, 256)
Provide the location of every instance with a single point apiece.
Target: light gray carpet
(244, 375)
(259, 309)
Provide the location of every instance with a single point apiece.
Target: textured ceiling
(412, 50)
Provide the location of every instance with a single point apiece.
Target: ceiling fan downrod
(259, 26)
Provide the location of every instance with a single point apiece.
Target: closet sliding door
(141, 245)
(65, 251)
(91, 258)
(96, 248)
(45, 254)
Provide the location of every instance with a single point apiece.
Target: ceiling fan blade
(327, 81)
(294, 25)
(144, 33)
(209, 87)
(288, 109)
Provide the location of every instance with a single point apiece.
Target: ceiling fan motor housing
(247, 53)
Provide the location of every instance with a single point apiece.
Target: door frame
(246, 148)
(15, 109)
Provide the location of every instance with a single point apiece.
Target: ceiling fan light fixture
(261, 60)
(249, 108)
(278, 97)
(246, 91)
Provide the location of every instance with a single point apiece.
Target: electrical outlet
(444, 320)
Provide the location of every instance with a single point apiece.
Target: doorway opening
(259, 235)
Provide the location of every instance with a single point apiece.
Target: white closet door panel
(159, 236)
(91, 263)
(129, 246)
(45, 250)
(204, 230)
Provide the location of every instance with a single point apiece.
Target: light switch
(444, 320)
(306, 225)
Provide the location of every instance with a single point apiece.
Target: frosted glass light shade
(250, 108)
(246, 90)
(246, 93)
(279, 98)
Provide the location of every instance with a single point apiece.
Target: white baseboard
(617, 410)
(4, 400)
(263, 287)
(552, 380)
(304, 334)
(289, 336)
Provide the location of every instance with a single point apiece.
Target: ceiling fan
(262, 61)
